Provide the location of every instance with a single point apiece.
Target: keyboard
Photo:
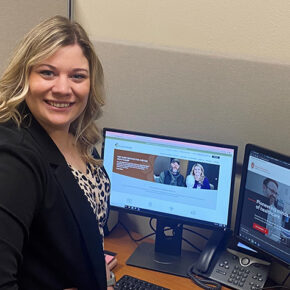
(131, 283)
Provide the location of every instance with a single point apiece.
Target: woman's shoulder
(17, 140)
(10, 133)
(18, 154)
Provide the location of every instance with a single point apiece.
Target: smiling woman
(200, 180)
(58, 88)
(53, 186)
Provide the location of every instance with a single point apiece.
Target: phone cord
(203, 283)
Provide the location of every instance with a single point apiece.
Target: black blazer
(49, 236)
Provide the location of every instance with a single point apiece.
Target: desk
(119, 241)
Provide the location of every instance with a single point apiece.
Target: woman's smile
(59, 104)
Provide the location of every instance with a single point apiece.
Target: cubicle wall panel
(17, 17)
(196, 96)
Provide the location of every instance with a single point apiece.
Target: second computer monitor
(263, 218)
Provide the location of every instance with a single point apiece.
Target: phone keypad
(230, 272)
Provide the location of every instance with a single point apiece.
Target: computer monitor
(177, 181)
(263, 214)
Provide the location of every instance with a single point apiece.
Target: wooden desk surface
(119, 242)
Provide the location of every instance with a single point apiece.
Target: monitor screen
(263, 215)
(177, 181)
(159, 176)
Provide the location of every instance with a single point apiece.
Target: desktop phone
(233, 268)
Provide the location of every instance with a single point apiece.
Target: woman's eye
(79, 77)
(47, 73)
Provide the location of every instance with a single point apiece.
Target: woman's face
(59, 87)
(197, 171)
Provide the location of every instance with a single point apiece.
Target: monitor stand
(166, 254)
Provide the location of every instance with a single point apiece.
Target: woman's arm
(19, 195)
(108, 274)
(205, 184)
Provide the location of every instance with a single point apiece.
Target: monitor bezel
(259, 252)
(176, 218)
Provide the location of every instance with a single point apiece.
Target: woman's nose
(62, 85)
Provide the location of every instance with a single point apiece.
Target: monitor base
(146, 257)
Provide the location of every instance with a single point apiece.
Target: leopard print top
(96, 186)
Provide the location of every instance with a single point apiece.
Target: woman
(197, 179)
(54, 193)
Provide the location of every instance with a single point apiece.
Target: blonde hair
(202, 171)
(40, 43)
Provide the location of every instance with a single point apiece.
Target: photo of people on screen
(196, 178)
(202, 175)
(274, 217)
(172, 175)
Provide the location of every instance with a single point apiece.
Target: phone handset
(202, 266)
(208, 252)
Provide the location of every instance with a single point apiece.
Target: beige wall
(252, 29)
(17, 17)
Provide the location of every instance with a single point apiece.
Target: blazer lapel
(83, 214)
(80, 207)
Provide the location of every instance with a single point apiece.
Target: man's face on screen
(271, 190)
(175, 166)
